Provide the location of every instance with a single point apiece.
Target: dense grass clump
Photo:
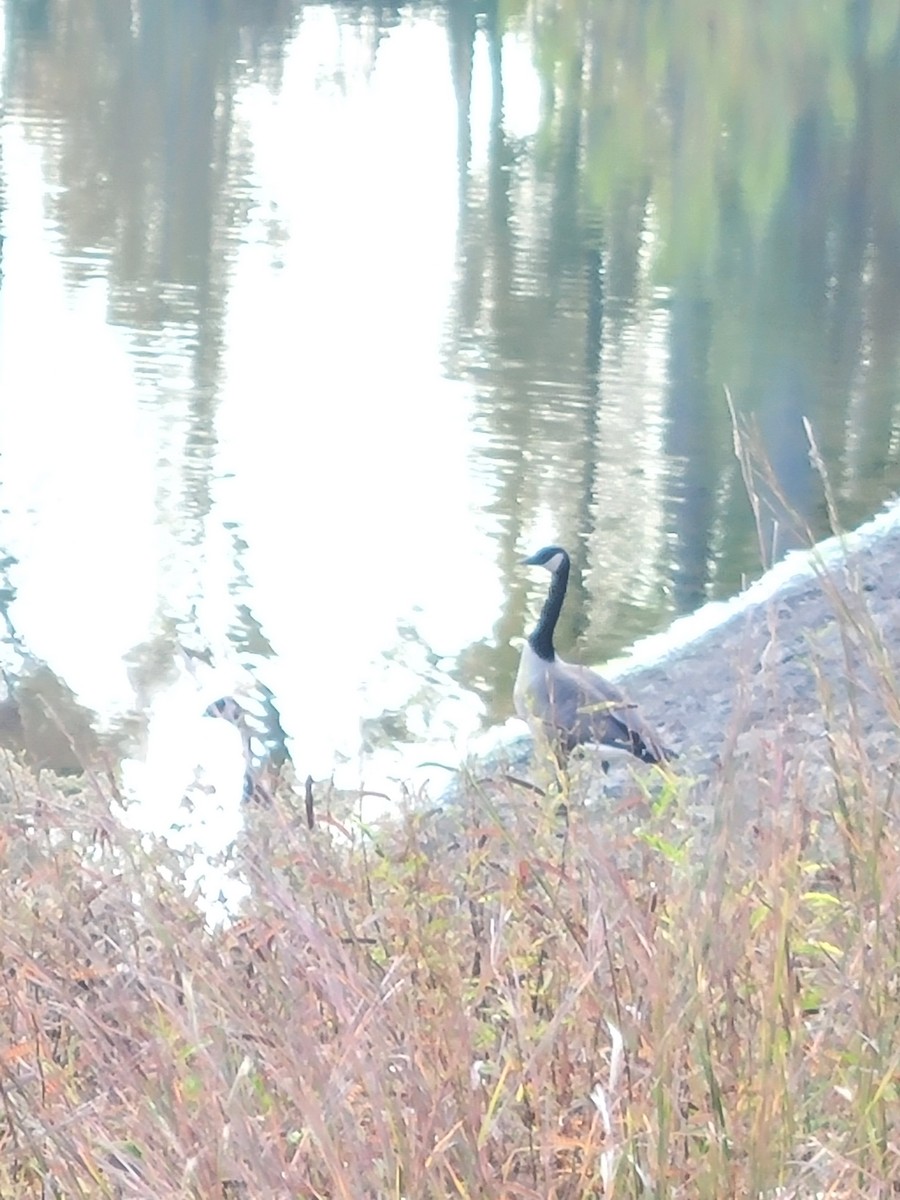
(630, 1001)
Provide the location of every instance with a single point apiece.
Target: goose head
(229, 709)
(551, 557)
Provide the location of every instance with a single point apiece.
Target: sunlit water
(311, 326)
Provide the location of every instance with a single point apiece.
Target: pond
(315, 318)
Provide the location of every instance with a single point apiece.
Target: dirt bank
(816, 653)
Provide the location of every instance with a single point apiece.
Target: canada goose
(573, 704)
(254, 787)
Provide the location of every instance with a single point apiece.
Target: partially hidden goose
(255, 786)
(570, 703)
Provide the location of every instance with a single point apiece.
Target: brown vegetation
(638, 1005)
(686, 988)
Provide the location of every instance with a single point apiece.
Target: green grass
(634, 1004)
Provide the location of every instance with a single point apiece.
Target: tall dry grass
(634, 1005)
(689, 990)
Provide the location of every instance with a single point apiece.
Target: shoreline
(791, 657)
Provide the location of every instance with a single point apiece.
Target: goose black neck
(541, 638)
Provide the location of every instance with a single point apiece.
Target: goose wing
(588, 708)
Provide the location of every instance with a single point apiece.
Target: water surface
(315, 317)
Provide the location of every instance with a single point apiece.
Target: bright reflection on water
(337, 530)
(315, 318)
(342, 452)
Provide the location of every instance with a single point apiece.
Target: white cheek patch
(552, 563)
